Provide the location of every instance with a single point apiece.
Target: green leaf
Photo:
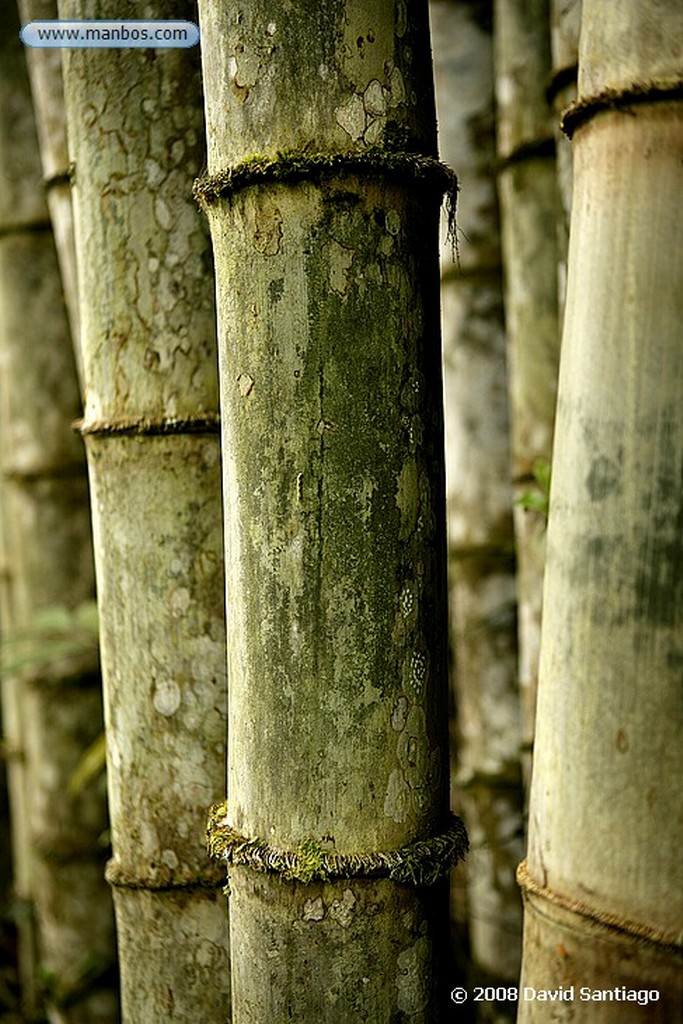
(54, 633)
(542, 470)
(538, 499)
(91, 764)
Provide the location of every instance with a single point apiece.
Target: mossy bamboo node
(418, 863)
(585, 108)
(293, 166)
(610, 922)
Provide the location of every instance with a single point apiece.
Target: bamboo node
(293, 165)
(586, 107)
(37, 472)
(161, 878)
(604, 919)
(417, 863)
(209, 424)
(531, 149)
(561, 79)
(65, 176)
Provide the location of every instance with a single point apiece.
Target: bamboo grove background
(562, 351)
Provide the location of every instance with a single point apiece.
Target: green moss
(418, 863)
(293, 165)
(310, 862)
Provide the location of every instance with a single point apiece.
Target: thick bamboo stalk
(527, 190)
(46, 522)
(45, 73)
(148, 340)
(479, 498)
(603, 881)
(333, 477)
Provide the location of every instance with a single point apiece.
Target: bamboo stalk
(486, 735)
(527, 192)
(148, 339)
(333, 478)
(565, 26)
(45, 73)
(57, 707)
(603, 880)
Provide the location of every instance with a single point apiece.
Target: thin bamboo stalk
(528, 201)
(151, 428)
(565, 26)
(45, 73)
(59, 707)
(485, 753)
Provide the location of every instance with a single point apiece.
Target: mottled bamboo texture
(57, 710)
(333, 477)
(604, 875)
(149, 359)
(45, 73)
(486, 732)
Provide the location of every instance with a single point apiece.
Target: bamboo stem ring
(613, 922)
(584, 109)
(417, 863)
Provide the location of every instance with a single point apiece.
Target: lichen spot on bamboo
(375, 107)
(267, 229)
(408, 600)
(351, 117)
(393, 224)
(399, 714)
(397, 799)
(374, 100)
(314, 910)
(162, 214)
(364, 497)
(179, 602)
(415, 675)
(170, 859)
(413, 748)
(167, 697)
(341, 261)
(412, 965)
(245, 384)
(342, 911)
(244, 69)
(155, 174)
